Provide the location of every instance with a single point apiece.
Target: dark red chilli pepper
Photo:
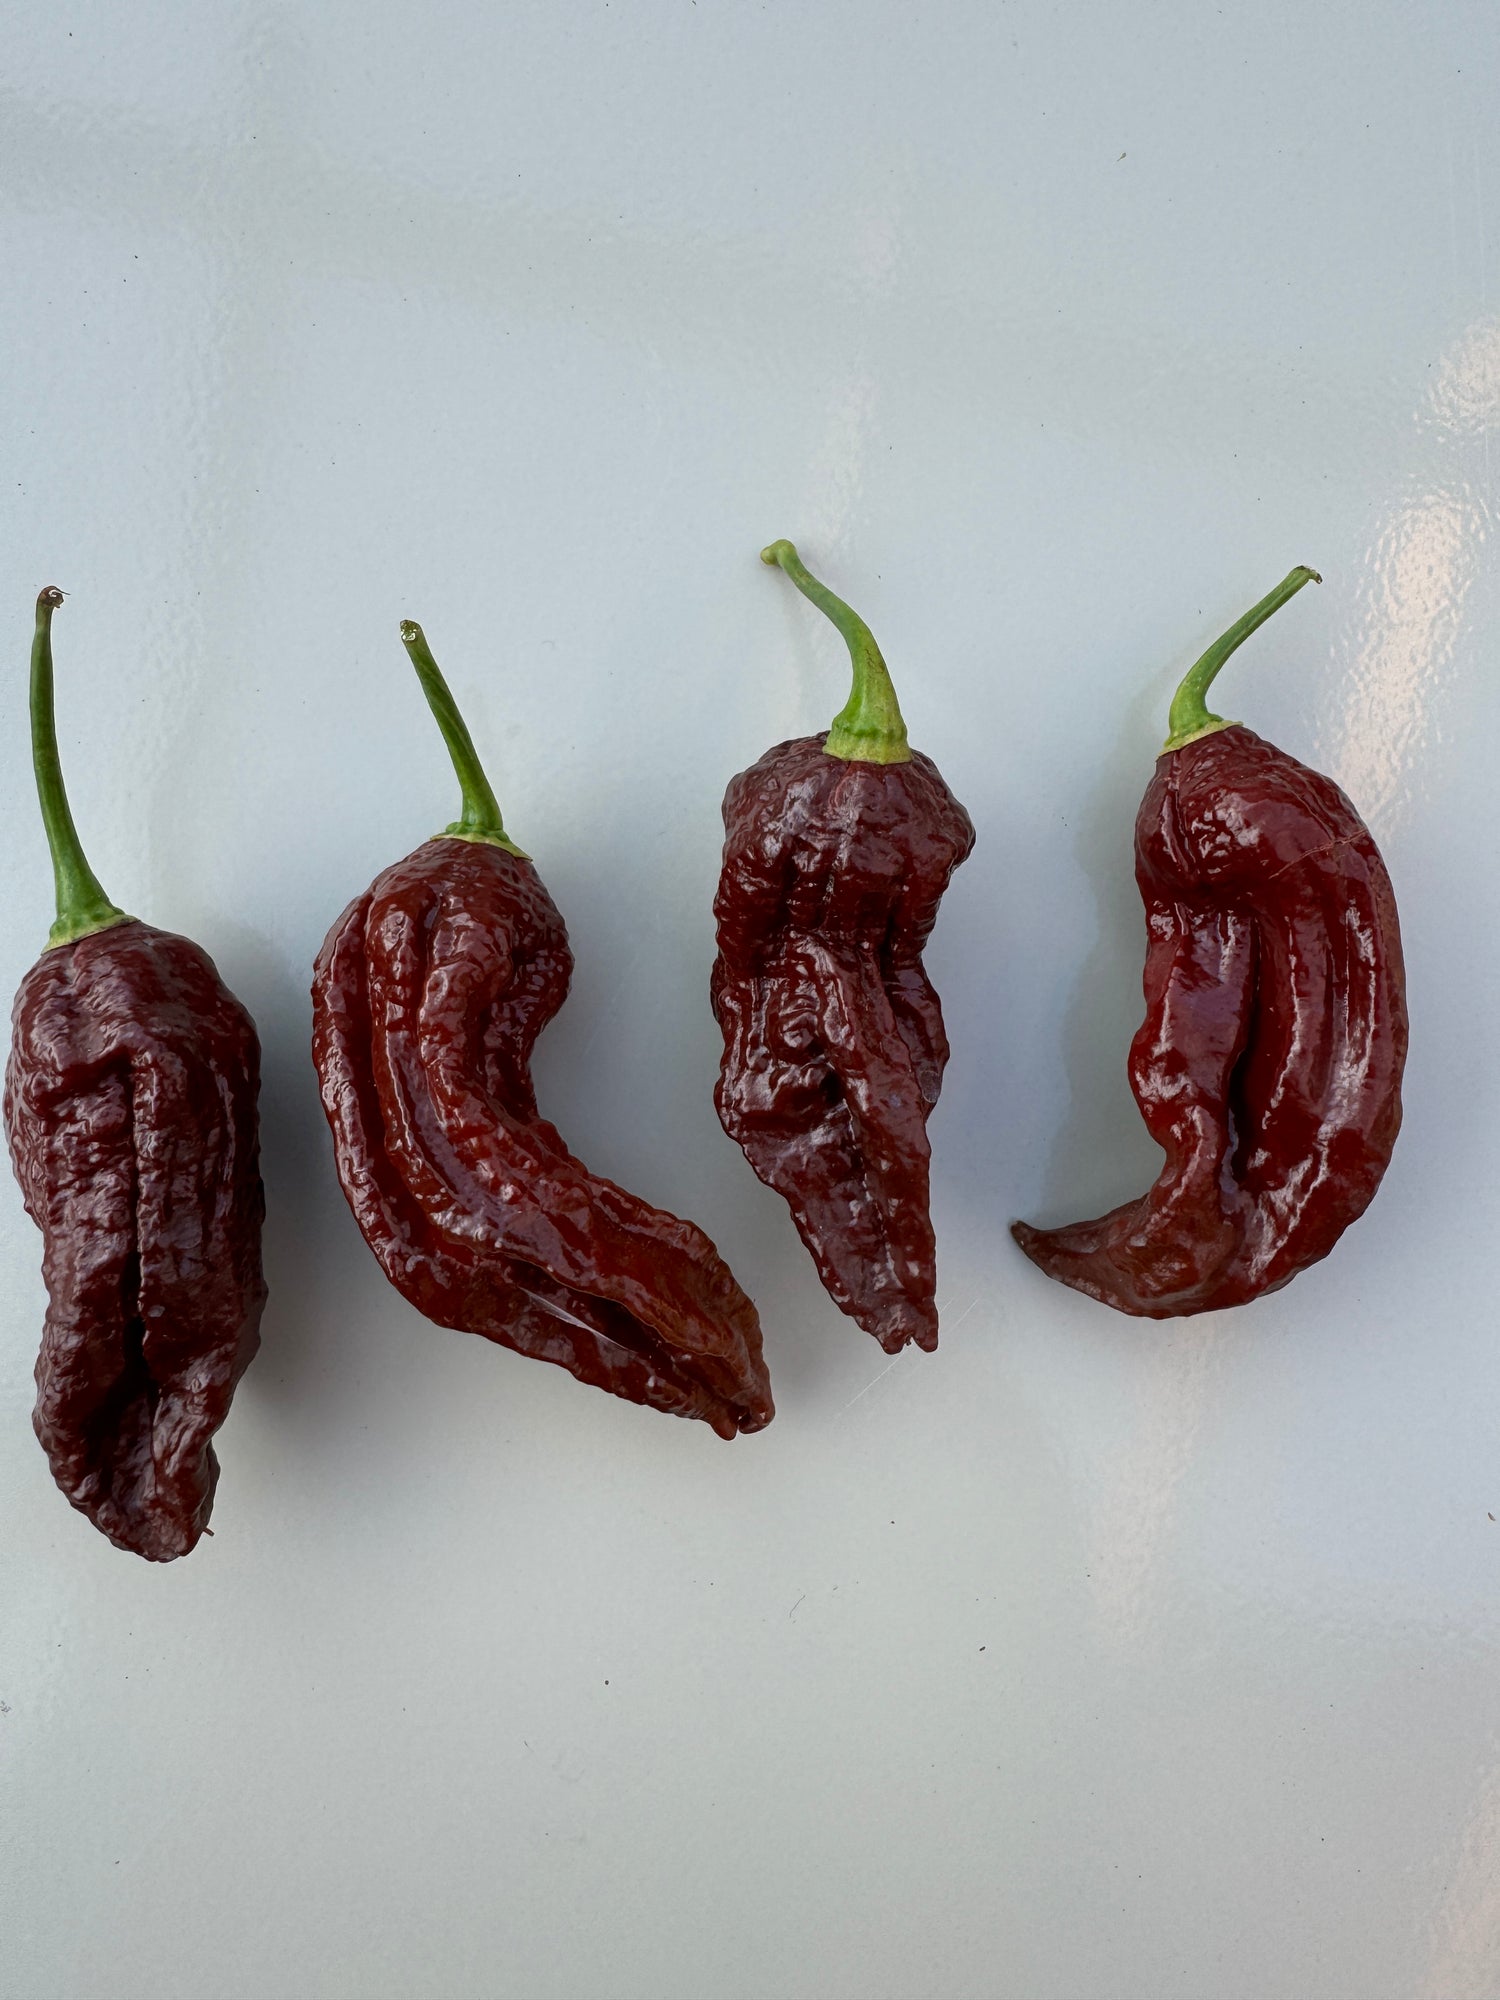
(428, 996)
(130, 1106)
(837, 851)
(1269, 1064)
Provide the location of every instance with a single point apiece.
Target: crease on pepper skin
(1269, 1064)
(837, 850)
(130, 1108)
(428, 997)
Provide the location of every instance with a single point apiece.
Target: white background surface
(1086, 1659)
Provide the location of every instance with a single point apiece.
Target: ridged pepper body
(834, 1047)
(130, 1107)
(1269, 1065)
(428, 996)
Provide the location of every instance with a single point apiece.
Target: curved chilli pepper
(1269, 1064)
(130, 1106)
(428, 996)
(837, 851)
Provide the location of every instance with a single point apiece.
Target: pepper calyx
(458, 831)
(1211, 728)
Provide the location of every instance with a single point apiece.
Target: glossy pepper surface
(428, 996)
(837, 850)
(130, 1107)
(1269, 1064)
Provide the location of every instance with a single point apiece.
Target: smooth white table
(1084, 1660)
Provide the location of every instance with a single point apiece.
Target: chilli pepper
(130, 1106)
(428, 996)
(1269, 1064)
(837, 850)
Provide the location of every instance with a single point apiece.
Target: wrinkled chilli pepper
(428, 996)
(837, 850)
(130, 1106)
(1269, 1064)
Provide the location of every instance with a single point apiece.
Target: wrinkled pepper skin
(1269, 1065)
(428, 997)
(834, 1047)
(834, 1050)
(130, 1107)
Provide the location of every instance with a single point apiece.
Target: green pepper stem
(1190, 715)
(481, 815)
(82, 905)
(868, 729)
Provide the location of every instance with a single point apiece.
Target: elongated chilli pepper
(130, 1107)
(1269, 1064)
(837, 850)
(428, 996)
